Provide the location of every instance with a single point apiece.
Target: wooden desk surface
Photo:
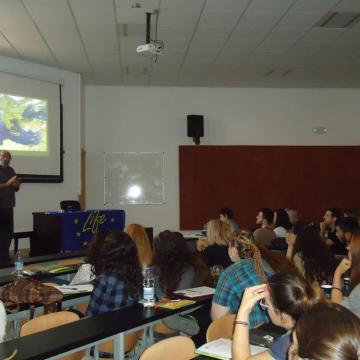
(71, 336)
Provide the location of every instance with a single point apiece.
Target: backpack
(29, 291)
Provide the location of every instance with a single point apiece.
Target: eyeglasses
(264, 306)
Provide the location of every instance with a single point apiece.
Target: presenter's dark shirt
(216, 255)
(7, 195)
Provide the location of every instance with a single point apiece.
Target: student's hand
(322, 227)
(344, 266)
(290, 239)
(11, 181)
(251, 296)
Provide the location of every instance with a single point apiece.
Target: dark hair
(291, 294)
(227, 212)
(93, 251)
(282, 219)
(119, 255)
(354, 213)
(319, 261)
(171, 255)
(347, 224)
(335, 212)
(268, 215)
(355, 259)
(328, 332)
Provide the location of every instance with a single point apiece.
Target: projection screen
(31, 127)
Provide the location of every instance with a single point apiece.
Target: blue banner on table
(78, 227)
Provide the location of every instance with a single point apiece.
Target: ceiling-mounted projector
(150, 46)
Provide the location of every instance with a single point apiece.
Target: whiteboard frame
(162, 153)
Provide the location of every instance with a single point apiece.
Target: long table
(89, 332)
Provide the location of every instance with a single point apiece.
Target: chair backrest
(70, 205)
(221, 328)
(48, 321)
(174, 348)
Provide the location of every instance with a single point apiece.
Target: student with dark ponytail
(286, 297)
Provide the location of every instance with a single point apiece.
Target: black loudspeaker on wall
(195, 127)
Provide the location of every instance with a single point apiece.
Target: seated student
(282, 223)
(309, 253)
(293, 215)
(216, 251)
(265, 234)
(120, 282)
(248, 269)
(345, 228)
(175, 268)
(227, 215)
(354, 213)
(328, 231)
(351, 263)
(142, 242)
(92, 267)
(285, 297)
(326, 332)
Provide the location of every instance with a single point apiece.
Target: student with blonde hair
(218, 236)
(141, 240)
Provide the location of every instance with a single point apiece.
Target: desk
(88, 332)
(56, 232)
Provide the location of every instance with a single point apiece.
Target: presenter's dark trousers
(6, 232)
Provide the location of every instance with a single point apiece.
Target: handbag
(30, 291)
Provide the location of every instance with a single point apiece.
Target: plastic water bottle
(148, 288)
(19, 264)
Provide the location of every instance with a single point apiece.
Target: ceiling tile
(250, 33)
(263, 18)
(322, 34)
(300, 19)
(206, 44)
(283, 33)
(314, 5)
(276, 45)
(184, 32)
(233, 56)
(189, 5)
(178, 18)
(212, 32)
(273, 5)
(215, 5)
(219, 18)
(348, 5)
(241, 45)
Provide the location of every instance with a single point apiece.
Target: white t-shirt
(280, 231)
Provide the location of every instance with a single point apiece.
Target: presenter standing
(9, 184)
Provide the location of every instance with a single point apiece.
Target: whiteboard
(133, 178)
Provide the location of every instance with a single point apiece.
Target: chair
(221, 328)
(70, 205)
(174, 348)
(48, 321)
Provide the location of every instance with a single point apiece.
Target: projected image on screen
(23, 123)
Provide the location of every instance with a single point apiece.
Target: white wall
(154, 119)
(45, 197)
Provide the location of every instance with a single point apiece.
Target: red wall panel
(246, 178)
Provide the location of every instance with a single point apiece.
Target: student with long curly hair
(142, 242)
(351, 263)
(120, 281)
(326, 332)
(309, 253)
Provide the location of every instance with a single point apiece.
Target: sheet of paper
(196, 292)
(67, 289)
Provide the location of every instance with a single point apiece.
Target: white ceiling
(233, 43)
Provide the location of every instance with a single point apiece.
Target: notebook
(221, 349)
(196, 292)
(174, 304)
